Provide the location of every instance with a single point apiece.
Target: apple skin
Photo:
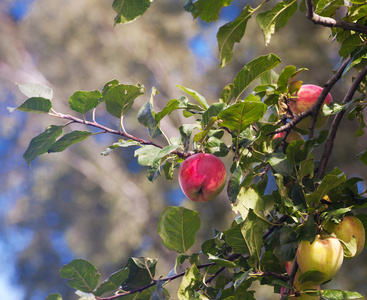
(307, 96)
(292, 136)
(350, 226)
(309, 285)
(202, 177)
(324, 255)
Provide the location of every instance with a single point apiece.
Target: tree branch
(330, 22)
(105, 129)
(336, 122)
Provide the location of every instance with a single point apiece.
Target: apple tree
(268, 124)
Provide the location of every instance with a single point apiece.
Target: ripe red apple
(324, 255)
(346, 229)
(306, 97)
(292, 136)
(202, 177)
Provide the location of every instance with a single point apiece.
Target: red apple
(324, 255)
(202, 177)
(292, 136)
(306, 97)
(309, 285)
(346, 229)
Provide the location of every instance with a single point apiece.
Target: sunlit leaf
(113, 282)
(42, 143)
(81, 274)
(177, 227)
(190, 282)
(120, 98)
(69, 139)
(242, 114)
(232, 33)
(208, 10)
(199, 98)
(129, 10)
(253, 70)
(339, 294)
(36, 90)
(34, 104)
(54, 297)
(276, 18)
(82, 101)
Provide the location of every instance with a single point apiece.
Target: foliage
(269, 225)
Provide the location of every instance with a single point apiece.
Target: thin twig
(330, 22)
(105, 129)
(336, 122)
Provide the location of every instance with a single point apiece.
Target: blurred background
(79, 204)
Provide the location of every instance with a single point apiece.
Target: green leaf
(233, 188)
(54, 297)
(34, 104)
(199, 98)
(146, 116)
(234, 238)
(42, 143)
(139, 275)
(340, 295)
(253, 70)
(280, 163)
(129, 10)
(69, 139)
(177, 227)
(249, 200)
(36, 90)
(329, 182)
(242, 114)
(120, 98)
(82, 275)
(327, 8)
(170, 107)
(227, 93)
(113, 282)
(208, 10)
(252, 231)
(82, 101)
(232, 33)
(146, 155)
(121, 143)
(350, 44)
(212, 111)
(363, 156)
(276, 18)
(222, 262)
(307, 167)
(284, 77)
(190, 282)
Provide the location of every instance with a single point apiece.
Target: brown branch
(290, 281)
(105, 129)
(330, 22)
(336, 122)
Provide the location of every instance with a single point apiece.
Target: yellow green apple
(324, 255)
(350, 226)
